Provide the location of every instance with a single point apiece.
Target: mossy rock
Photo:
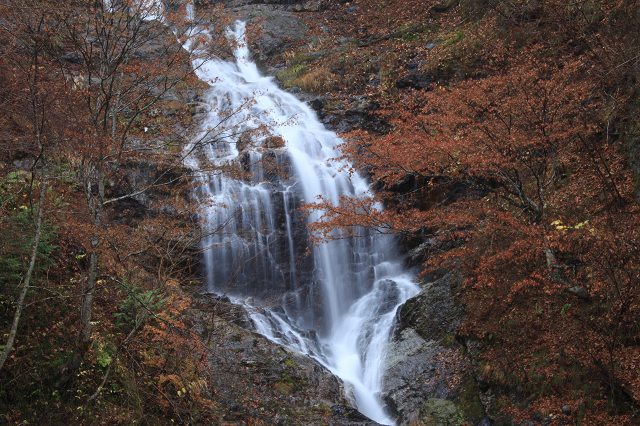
(284, 387)
(441, 412)
(288, 362)
(469, 400)
(288, 75)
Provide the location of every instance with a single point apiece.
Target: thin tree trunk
(26, 281)
(86, 309)
(96, 205)
(87, 301)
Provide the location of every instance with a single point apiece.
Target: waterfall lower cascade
(262, 153)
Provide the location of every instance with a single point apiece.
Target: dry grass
(315, 81)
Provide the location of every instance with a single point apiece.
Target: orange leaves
(171, 378)
(509, 132)
(353, 213)
(173, 356)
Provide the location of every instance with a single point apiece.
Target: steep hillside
(503, 140)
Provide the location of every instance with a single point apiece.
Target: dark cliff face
(274, 26)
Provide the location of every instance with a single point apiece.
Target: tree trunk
(96, 205)
(26, 281)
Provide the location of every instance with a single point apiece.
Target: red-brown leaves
(517, 177)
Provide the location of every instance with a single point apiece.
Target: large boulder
(428, 378)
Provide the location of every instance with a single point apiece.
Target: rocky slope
(429, 379)
(257, 379)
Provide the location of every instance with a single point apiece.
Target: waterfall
(262, 153)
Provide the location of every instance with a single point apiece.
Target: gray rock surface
(279, 29)
(410, 374)
(278, 23)
(426, 378)
(438, 411)
(433, 313)
(258, 379)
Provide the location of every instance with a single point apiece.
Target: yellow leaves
(194, 388)
(172, 283)
(558, 225)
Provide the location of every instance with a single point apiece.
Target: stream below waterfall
(262, 153)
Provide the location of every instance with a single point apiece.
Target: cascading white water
(336, 301)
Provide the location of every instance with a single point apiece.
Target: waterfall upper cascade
(263, 153)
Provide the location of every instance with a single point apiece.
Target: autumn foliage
(512, 157)
(516, 165)
(102, 336)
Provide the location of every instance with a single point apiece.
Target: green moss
(284, 387)
(469, 400)
(410, 33)
(323, 409)
(454, 38)
(289, 383)
(301, 58)
(441, 412)
(288, 75)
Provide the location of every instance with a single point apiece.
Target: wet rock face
(425, 379)
(391, 296)
(432, 314)
(257, 379)
(409, 374)
(284, 269)
(278, 23)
